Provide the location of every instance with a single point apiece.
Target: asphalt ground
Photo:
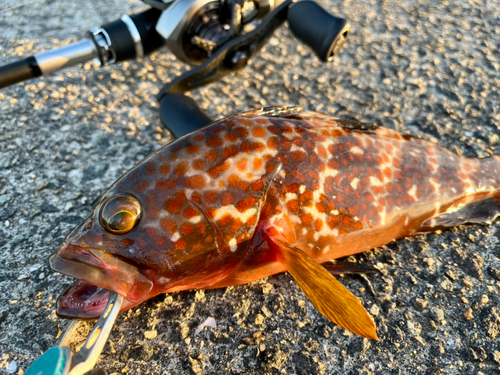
(430, 69)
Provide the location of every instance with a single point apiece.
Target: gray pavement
(431, 69)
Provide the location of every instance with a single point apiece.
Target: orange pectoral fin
(329, 296)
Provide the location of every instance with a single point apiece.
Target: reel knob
(181, 115)
(317, 28)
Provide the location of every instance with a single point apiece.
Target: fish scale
(229, 203)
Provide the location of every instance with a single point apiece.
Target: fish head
(100, 253)
(163, 226)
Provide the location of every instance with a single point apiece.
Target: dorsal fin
(298, 113)
(287, 111)
(356, 124)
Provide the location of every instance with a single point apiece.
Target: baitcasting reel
(216, 37)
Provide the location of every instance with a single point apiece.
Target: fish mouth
(97, 273)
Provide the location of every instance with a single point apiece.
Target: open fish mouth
(83, 301)
(97, 273)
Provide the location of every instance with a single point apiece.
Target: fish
(273, 190)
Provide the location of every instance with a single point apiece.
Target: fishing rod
(215, 37)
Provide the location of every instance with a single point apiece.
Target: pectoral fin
(328, 295)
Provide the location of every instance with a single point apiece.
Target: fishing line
(18, 6)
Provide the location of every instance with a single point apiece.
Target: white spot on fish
(296, 148)
(374, 181)
(412, 191)
(230, 209)
(175, 237)
(354, 183)
(195, 219)
(436, 185)
(233, 245)
(356, 150)
(383, 215)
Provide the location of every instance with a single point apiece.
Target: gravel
(430, 69)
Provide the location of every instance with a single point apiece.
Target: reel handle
(317, 28)
(181, 115)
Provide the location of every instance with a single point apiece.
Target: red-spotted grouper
(264, 192)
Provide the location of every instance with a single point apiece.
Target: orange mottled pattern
(320, 182)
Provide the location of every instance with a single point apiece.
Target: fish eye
(120, 213)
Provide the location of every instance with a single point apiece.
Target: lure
(264, 192)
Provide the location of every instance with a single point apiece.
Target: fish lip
(99, 268)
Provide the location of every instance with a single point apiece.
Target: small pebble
(383, 298)
(266, 311)
(4, 198)
(148, 335)
(259, 319)
(419, 304)
(467, 282)
(42, 186)
(248, 341)
(468, 314)
(484, 299)
(450, 275)
(12, 367)
(258, 336)
(430, 262)
(437, 314)
(496, 356)
(375, 310)
(209, 322)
